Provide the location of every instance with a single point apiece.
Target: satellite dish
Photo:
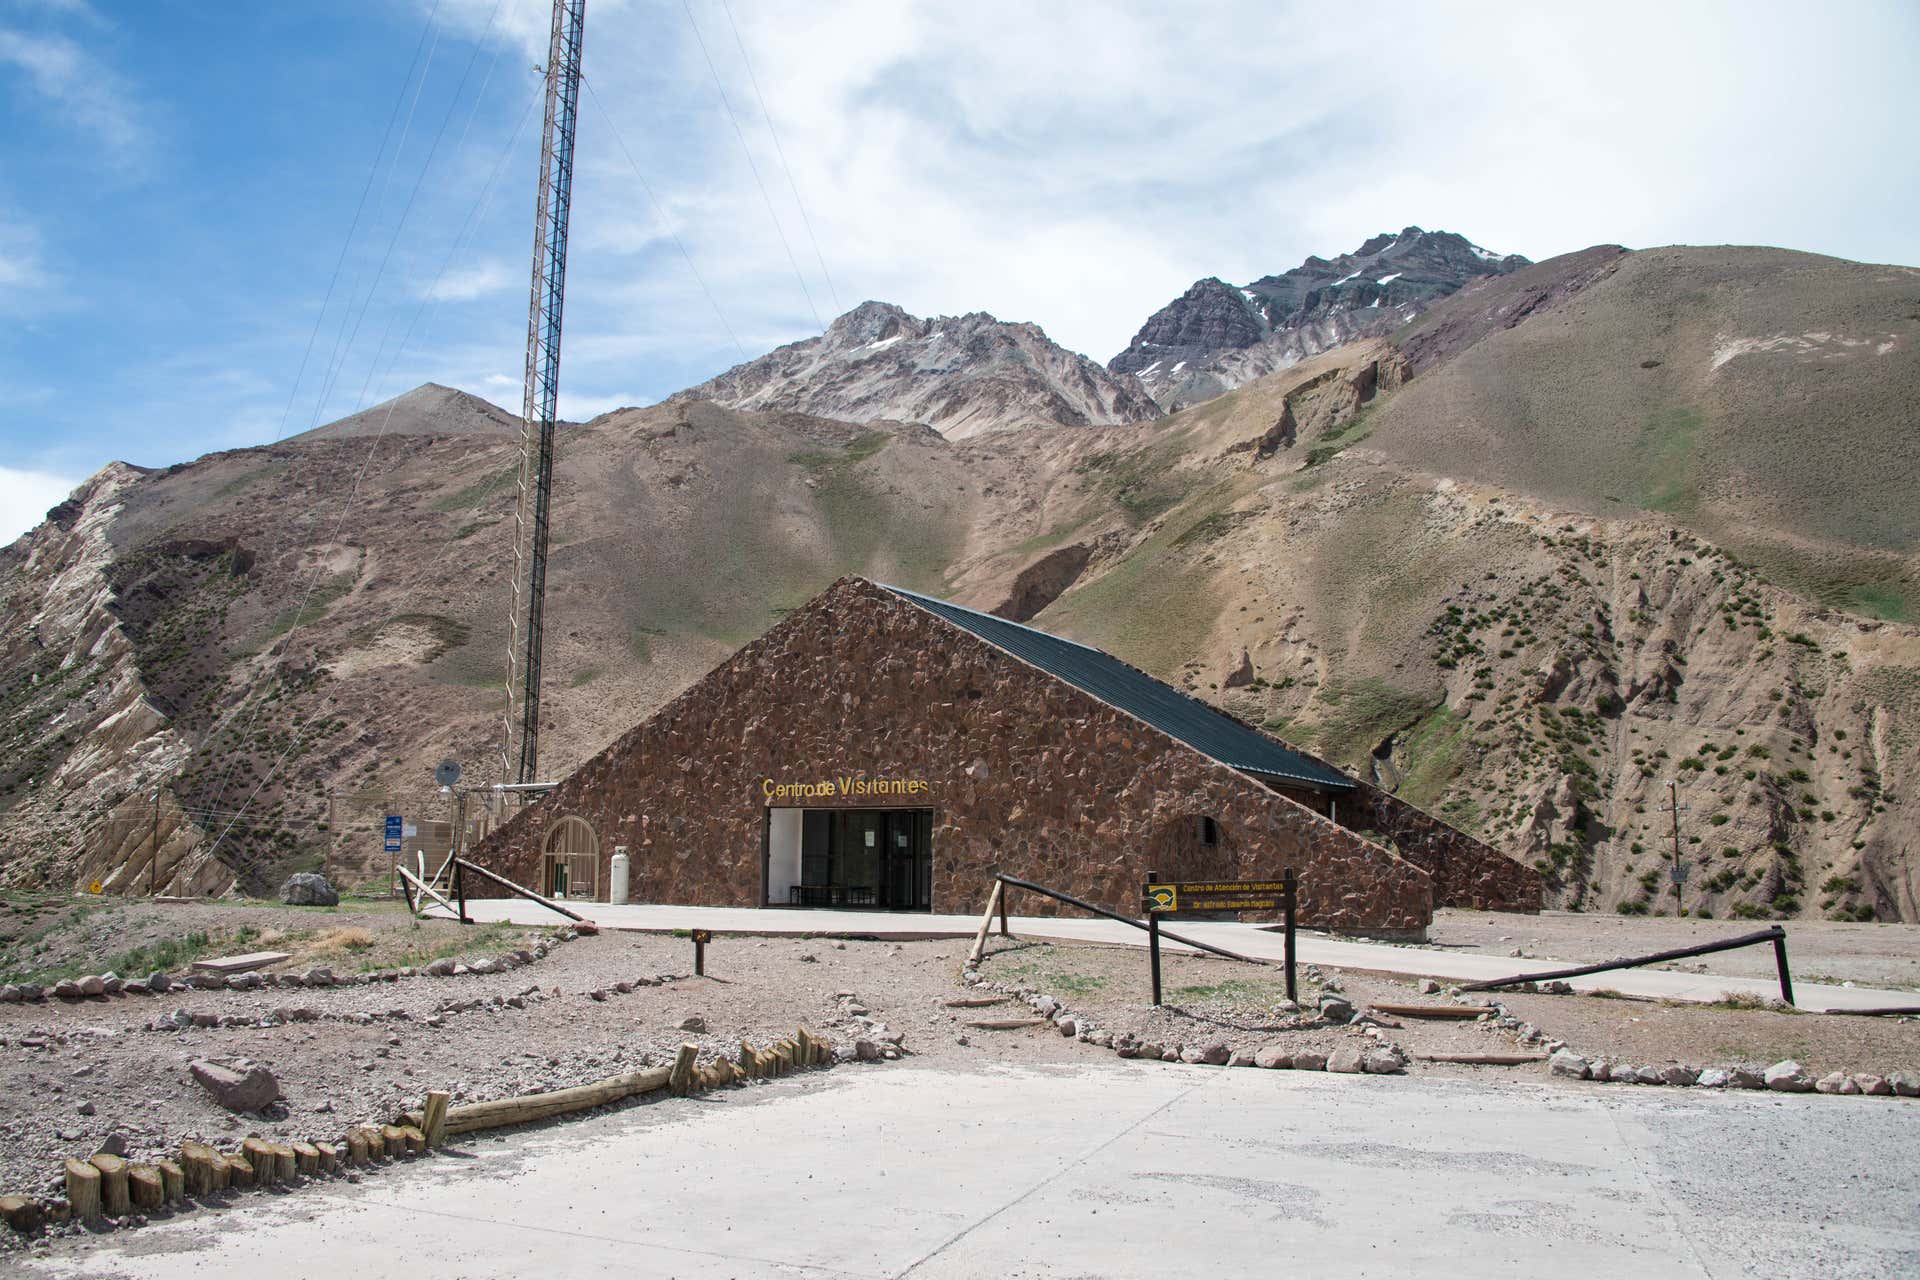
(446, 773)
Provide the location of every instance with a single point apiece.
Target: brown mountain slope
(1763, 398)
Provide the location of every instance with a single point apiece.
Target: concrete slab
(1114, 1170)
(1246, 939)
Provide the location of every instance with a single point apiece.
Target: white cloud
(464, 284)
(1079, 166)
(26, 495)
(80, 88)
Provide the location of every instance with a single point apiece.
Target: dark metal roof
(1139, 694)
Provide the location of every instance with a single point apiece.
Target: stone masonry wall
(1466, 872)
(1025, 774)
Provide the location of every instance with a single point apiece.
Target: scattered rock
(1068, 1026)
(1428, 987)
(1713, 1078)
(1215, 1054)
(86, 1108)
(1309, 1061)
(1569, 1064)
(1873, 1086)
(1384, 1061)
(1836, 1082)
(1273, 1057)
(1335, 1009)
(252, 1089)
(866, 1050)
(1745, 1078)
(67, 989)
(1907, 1086)
(1788, 1077)
(1675, 1074)
(115, 1145)
(441, 968)
(1241, 1058)
(695, 1024)
(308, 889)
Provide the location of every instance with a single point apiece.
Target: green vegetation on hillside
(1666, 448)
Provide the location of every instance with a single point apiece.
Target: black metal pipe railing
(1776, 935)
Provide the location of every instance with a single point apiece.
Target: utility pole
(520, 752)
(1674, 807)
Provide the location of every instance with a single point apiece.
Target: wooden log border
(108, 1187)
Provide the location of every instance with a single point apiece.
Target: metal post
(1153, 943)
(460, 890)
(1292, 882)
(699, 958)
(1005, 893)
(153, 837)
(1780, 962)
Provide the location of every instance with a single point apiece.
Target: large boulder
(308, 889)
(1788, 1077)
(237, 1088)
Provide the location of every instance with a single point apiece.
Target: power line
(754, 168)
(426, 306)
(781, 151)
(666, 222)
(373, 171)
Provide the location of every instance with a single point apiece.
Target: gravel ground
(73, 1073)
(1872, 955)
(1215, 1001)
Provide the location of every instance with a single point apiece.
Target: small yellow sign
(96, 887)
(1163, 897)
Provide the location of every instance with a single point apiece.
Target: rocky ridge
(1217, 336)
(960, 375)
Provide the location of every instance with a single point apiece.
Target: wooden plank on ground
(1003, 1024)
(974, 1002)
(239, 964)
(540, 1106)
(1442, 1012)
(1484, 1059)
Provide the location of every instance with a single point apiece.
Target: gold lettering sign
(844, 788)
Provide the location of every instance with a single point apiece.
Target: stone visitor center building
(882, 749)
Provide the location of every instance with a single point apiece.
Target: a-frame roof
(1134, 691)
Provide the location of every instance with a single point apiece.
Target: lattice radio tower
(520, 746)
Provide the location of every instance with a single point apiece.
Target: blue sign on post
(393, 833)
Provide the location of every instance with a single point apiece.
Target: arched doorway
(571, 865)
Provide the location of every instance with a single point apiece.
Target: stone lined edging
(94, 986)
(1387, 1058)
(1381, 1057)
(107, 1191)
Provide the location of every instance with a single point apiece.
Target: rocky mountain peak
(1216, 336)
(961, 375)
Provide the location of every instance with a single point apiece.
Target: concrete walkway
(1113, 1170)
(1245, 939)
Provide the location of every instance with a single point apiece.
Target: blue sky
(178, 179)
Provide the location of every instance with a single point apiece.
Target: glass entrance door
(907, 879)
(876, 858)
